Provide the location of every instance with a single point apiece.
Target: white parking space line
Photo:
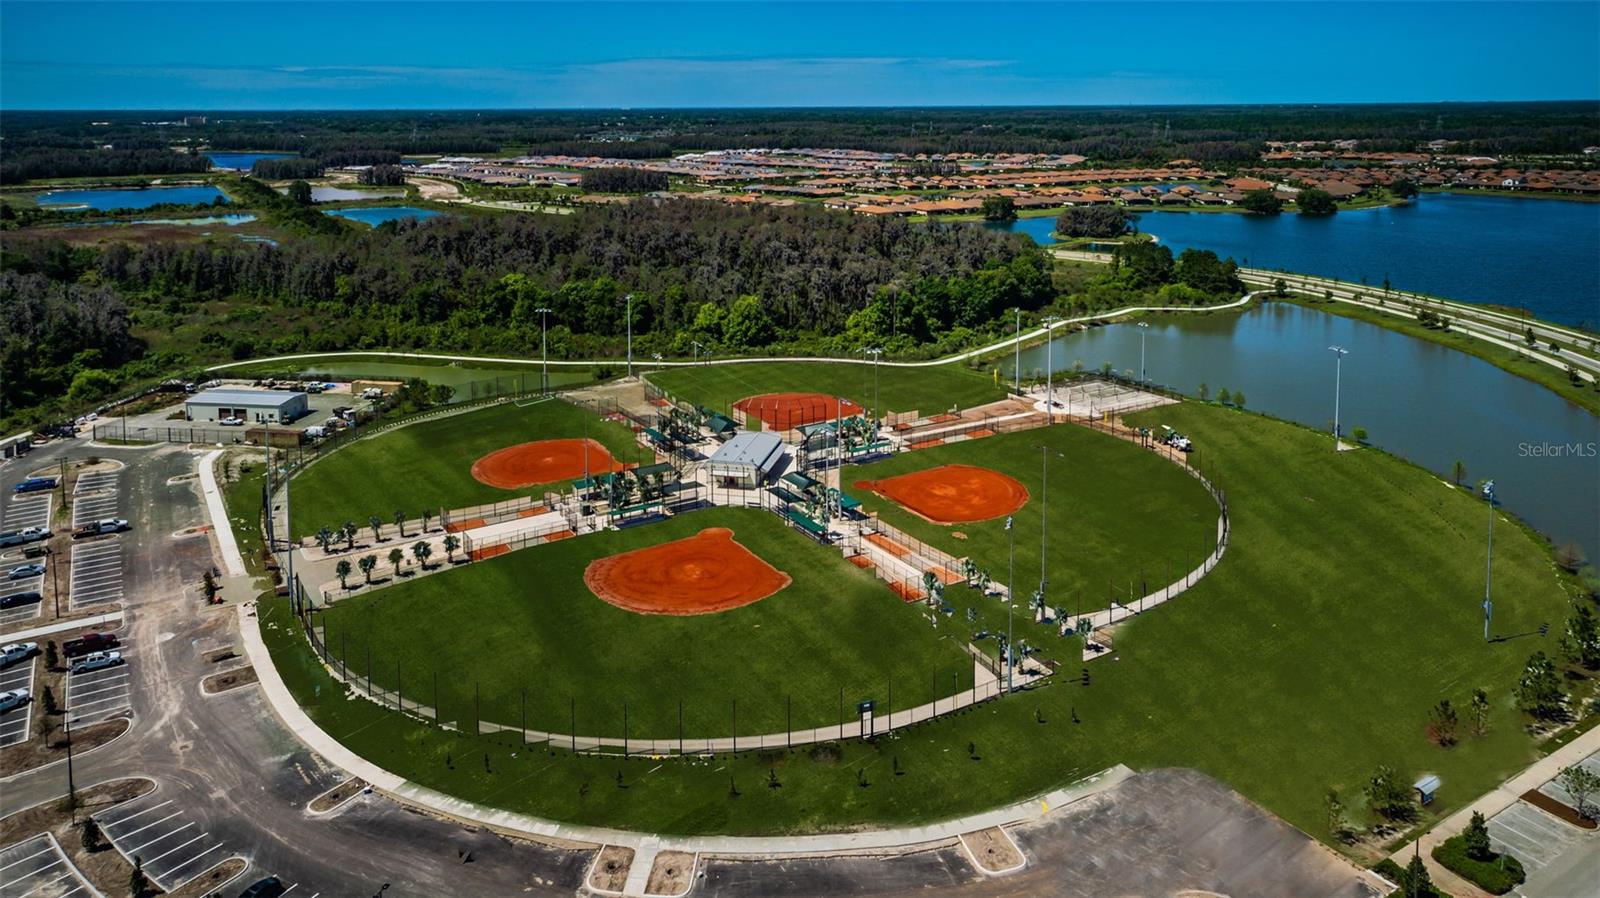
(36, 866)
(29, 510)
(16, 724)
(154, 839)
(124, 819)
(98, 695)
(96, 572)
(25, 612)
(179, 866)
(156, 822)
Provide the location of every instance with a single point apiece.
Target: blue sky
(397, 54)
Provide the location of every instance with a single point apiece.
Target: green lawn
(930, 390)
(527, 620)
(1119, 516)
(1345, 608)
(429, 465)
(459, 375)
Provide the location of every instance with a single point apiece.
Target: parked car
(104, 525)
(35, 551)
(23, 536)
(88, 643)
(18, 599)
(97, 661)
(16, 698)
(35, 484)
(231, 422)
(13, 652)
(271, 887)
(24, 571)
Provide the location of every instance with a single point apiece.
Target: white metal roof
(761, 450)
(244, 397)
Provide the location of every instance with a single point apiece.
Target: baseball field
(710, 608)
(430, 464)
(932, 389)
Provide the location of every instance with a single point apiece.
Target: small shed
(1426, 787)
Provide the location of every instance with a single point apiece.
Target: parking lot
(14, 724)
(11, 587)
(96, 572)
(28, 510)
(36, 867)
(95, 496)
(99, 694)
(173, 846)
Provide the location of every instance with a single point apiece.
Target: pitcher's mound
(542, 461)
(953, 494)
(786, 411)
(699, 574)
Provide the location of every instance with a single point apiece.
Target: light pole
(544, 352)
(1018, 374)
(1049, 369)
(1488, 570)
(697, 345)
(630, 334)
(1144, 328)
(1338, 364)
(876, 352)
(1011, 599)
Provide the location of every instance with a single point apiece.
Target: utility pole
(1338, 365)
(1049, 369)
(630, 334)
(72, 789)
(1143, 328)
(877, 352)
(1488, 571)
(1044, 512)
(544, 356)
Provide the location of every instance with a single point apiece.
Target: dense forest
(25, 163)
(40, 144)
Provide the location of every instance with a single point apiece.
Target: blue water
(231, 220)
(243, 161)
(1541, 255)
(377, 215)
(1419, 400)
(137, 198)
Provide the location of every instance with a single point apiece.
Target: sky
(395, 54)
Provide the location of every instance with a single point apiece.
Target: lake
(377, 215)
(1418, 400)
(243, 161)
(134, 198)
(1538, 254)
(339, 194)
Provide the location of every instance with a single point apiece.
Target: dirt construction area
(702, 574)
(786, 411)
(952, 494)
(543, 461)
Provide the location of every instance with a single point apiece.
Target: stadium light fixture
(544, 356)
(1338, 364)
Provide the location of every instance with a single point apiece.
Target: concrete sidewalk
(884, 840)
(90, 623)
(1492, 803)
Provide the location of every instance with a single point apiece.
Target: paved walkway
(232, 561)
(78, 623)
(1492, 803)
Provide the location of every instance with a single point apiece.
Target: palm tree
(427, 515)
(377, 527)
(367, 563)
(350, 531)
(343, 570)
(324, 537)
(400, 521)
(422, 550)
(395, 557)
(928, 581)
(451, 544)
(969, 569)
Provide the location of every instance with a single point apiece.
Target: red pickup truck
(89, 642)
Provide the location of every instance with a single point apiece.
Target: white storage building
(252, 406)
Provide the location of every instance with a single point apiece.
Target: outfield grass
(1345, 608)
(527, 620)
(429, 464)
(932, 389)
(1122, 520)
